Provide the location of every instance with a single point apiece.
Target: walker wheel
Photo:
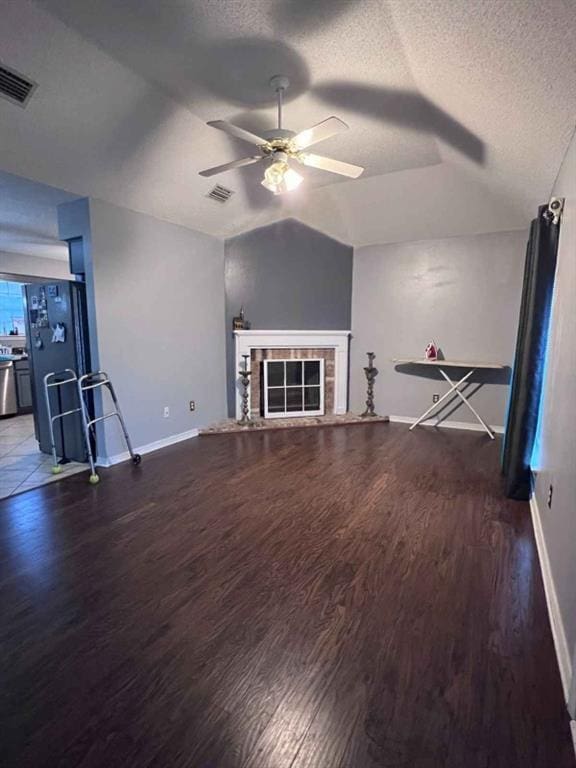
(136, 459)
(94, 479)
(56, 469)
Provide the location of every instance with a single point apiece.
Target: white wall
(557, 455)
(33, 266)
(463, 292)
(158, 294)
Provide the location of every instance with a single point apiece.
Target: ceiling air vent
(14, 86)
(221, 194)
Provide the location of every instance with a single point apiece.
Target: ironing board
(464, 366)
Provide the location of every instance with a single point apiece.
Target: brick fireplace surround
(258, 355)
(332, 346)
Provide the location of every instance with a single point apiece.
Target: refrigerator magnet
(59, 333)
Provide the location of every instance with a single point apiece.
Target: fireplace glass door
(293, 388)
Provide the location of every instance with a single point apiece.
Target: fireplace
(258, 391)
(293, 388)
(294, 373)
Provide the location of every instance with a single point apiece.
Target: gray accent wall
(462, 292)
(287, 276)
(156, 296)
(557, 454)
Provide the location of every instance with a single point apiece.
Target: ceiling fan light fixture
(292, 179)
(279, 177)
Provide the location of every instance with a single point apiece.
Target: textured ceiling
(217, 58)
(460, 111)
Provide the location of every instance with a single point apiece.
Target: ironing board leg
(467, 402)
(434, 406)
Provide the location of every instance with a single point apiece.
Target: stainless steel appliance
(8, 402)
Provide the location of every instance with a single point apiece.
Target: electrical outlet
(435, 398)
(550, 491)
(192, 405)
(166, 412)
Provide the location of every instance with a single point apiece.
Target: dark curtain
(529, 361)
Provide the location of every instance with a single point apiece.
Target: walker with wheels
(84, 384)
(91, 381)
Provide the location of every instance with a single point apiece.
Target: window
(11, 308)
(293, 388)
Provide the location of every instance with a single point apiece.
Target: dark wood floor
(348, 597)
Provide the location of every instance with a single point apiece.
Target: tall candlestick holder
(371, 372)
(245, 374)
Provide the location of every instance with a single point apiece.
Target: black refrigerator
(57, 338)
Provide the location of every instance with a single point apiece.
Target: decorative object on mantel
(371, 373)
(431, 352)
(239, 323)
(244, 374)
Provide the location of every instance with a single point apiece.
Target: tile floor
(22, 466)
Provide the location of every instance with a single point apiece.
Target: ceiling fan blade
(328, 164)
(329, 127)
(234, 164)
(238, 133)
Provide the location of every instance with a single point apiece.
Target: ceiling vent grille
(14, 86)
(221, 194)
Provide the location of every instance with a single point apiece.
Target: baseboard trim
(556, 623)
(446, 424)
(118, 458)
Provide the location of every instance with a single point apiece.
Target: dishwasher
(8, 402)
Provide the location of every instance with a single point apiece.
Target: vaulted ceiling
(460, 111)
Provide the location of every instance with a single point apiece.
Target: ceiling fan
(279, 146)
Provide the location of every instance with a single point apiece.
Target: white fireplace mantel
(339, 341)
